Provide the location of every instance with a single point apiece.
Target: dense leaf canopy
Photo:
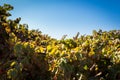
(29, 55)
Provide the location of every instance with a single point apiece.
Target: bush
(29, 55)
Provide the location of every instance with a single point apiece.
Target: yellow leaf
(13, 63)
(7, 29)
(4, 24)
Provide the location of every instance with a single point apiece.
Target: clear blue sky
(59, 17)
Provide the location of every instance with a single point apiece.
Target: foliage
(29, 55)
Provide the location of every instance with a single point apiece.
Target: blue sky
(59, 17)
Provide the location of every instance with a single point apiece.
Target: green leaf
(85, 67)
